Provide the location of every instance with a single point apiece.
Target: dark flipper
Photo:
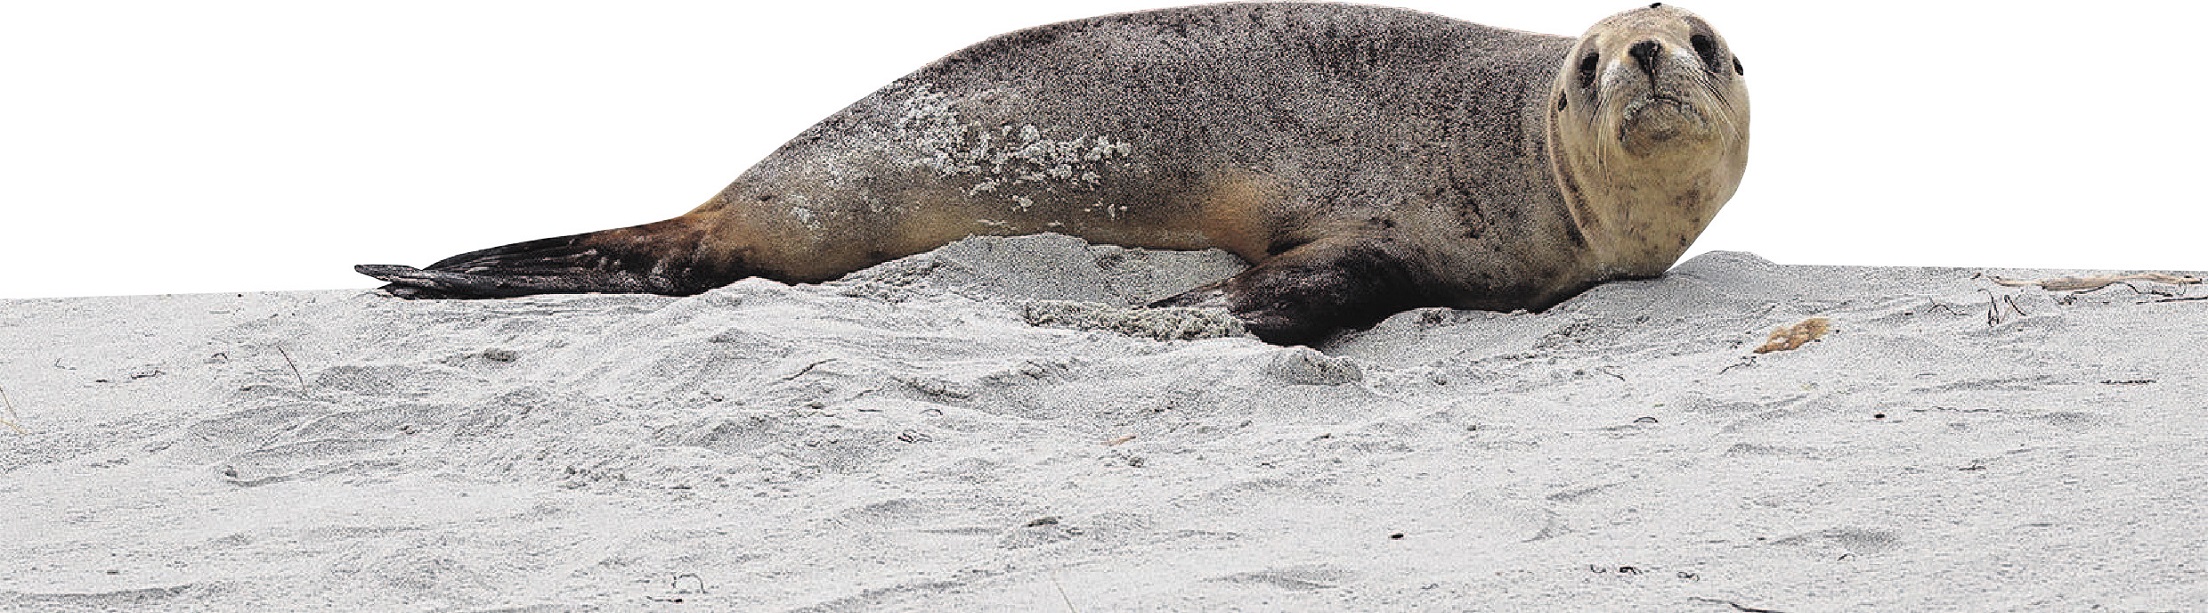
(658, 258)
(1301, 296)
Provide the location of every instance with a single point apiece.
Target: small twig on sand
(294, 368)
(1062, 592)
(808, 368)
(1993, 307)
(12, 418)
(1736, 606)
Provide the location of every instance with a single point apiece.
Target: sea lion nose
(1644, 53)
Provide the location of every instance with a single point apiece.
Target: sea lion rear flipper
(1299, 296)
(654, 258)
(411, 282)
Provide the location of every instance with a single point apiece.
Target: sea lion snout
(1645, 55)
(1659, 84)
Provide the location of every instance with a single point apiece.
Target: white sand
(905, 441)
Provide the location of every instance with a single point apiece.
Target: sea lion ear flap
(625, 260)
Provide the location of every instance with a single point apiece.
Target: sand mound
(910, 438)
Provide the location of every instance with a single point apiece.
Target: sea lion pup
(1365, 160)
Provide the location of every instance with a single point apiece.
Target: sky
(234, 146)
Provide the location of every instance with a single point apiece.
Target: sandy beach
(909, 438)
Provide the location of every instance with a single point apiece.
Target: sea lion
(1365, 160)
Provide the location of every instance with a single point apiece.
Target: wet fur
(1366, 160)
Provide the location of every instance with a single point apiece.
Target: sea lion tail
(655, 258)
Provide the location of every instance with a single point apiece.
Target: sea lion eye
(1707, 48)
(1587, 69)
(1736, 67)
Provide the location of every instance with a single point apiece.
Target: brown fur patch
(1234, 213)
(666, 239)
(718, 239)
(934, 218)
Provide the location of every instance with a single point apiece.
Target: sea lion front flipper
(655, 258)
(1299, 296)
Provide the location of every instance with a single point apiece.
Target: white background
(223, 145)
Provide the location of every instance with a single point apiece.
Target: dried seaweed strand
(2087, 284)
(294, 368)
(10, 422)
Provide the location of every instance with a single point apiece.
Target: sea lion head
(1648, 132)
